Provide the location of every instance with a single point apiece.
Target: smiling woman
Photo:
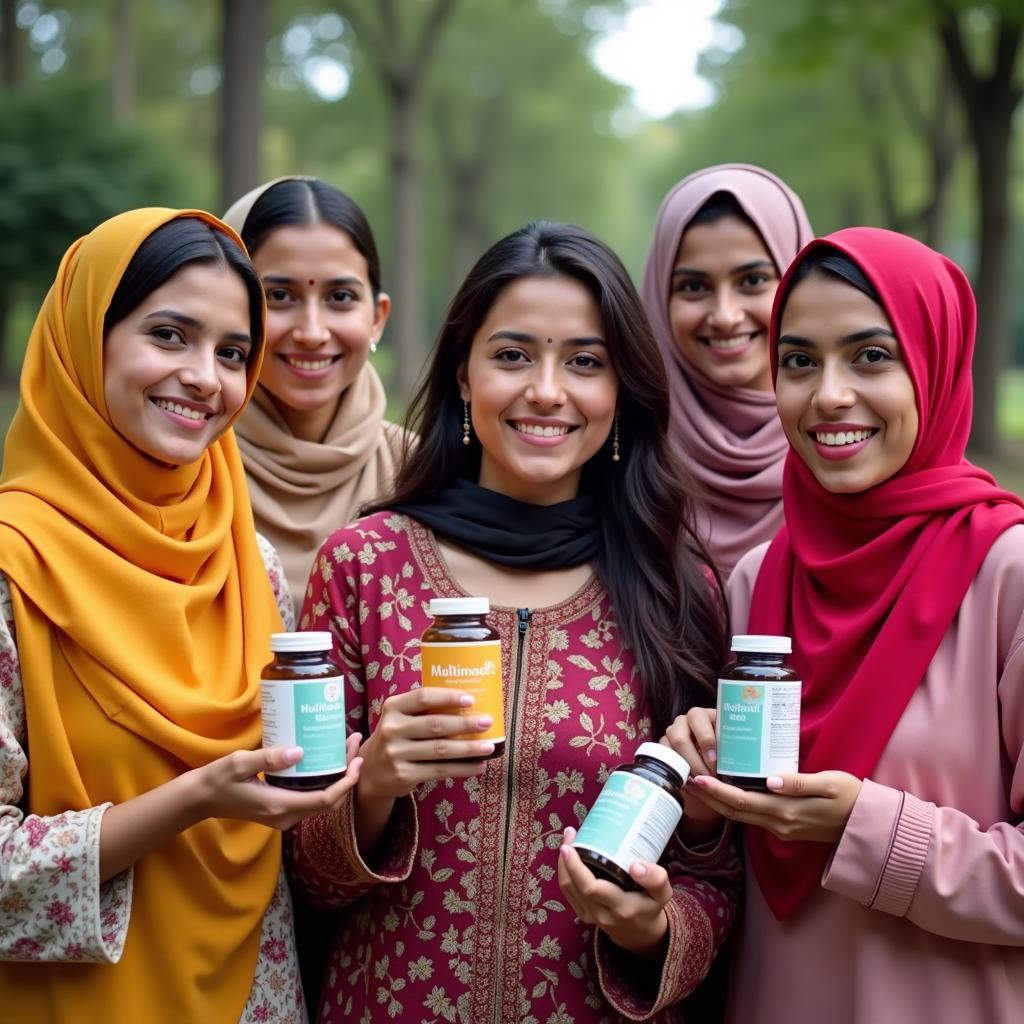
(544, 482)
(314, 439)
(723, 238)
(136, 607)
(887, 877)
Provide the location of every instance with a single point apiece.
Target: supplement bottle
(635, 814)
(460, 651)
(303, 698)
(758, 725)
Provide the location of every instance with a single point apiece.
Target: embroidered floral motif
(459, 916)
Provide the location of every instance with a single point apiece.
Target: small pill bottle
(758, 727)
(635, 814)
(459, 650)
(302, 694)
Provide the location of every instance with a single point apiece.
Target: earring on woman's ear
(373, 345)
(615, 440)
(465, 422)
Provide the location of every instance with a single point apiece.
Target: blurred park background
(453, 122)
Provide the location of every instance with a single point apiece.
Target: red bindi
(311, 282)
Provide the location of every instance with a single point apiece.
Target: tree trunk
(123, 75)
(13, 41)
(944, 140)
(990, 101)
(465, 226)
(991, 287)
(409, 318)
(242, 45)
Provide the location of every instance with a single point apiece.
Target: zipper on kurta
(523, 624)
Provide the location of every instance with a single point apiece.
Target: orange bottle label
(473, 666)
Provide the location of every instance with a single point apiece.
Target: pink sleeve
(936, 866)
(324, 861)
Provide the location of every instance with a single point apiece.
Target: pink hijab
(730, 438)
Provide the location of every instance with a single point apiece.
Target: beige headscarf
(302, 490)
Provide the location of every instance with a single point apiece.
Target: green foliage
(63, 169)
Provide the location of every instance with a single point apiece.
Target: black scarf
(514, 533)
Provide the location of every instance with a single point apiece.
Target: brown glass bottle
(758, 724)
(303, 699)
(461, 650)
(625, 825)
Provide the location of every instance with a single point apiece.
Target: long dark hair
(311, 201)
(172, 246)
(652, 563)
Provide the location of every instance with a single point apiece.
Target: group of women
(768, 437)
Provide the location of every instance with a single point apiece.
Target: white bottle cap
(756, 644)
(459, 606)
(667, 756)
(308, 640)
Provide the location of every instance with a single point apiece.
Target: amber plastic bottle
(758, 727)
(460, 650)
(303, 700)
(635, 814)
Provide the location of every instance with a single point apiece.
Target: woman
(890, 872)
(544, 482)
(139, 872)
(723, 238)
(314, 440)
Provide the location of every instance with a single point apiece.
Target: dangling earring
(465, 423)
(373, 345)
(615, 440)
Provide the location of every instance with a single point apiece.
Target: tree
(243, 39)
(991, 96)
(13, 42)
(63, 170)
(398, 48)
(122, 82)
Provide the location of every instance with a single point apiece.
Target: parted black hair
(167, 250)
(310, 201)
(667, 601)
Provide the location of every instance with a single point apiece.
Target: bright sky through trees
(654, 50)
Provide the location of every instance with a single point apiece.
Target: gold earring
(615, 440)
(465, 423)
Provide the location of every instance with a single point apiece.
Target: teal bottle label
(310, 715)
(632, 819)
(758, 727)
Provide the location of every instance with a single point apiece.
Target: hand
(636, 921)
(692, 737)
(230, 787)
(800, 806)
(413, 743)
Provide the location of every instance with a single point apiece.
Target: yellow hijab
(142, 611)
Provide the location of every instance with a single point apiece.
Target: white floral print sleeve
(52, 905)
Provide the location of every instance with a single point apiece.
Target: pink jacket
(920, 915)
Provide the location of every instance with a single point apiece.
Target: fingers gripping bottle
(635, 814)
(461, 651)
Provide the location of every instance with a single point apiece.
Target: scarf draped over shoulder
(303, 490)
(868, 584)
(142, 610)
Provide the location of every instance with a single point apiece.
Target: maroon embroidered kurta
(458, 915)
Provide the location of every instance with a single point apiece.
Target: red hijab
(868, 584)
